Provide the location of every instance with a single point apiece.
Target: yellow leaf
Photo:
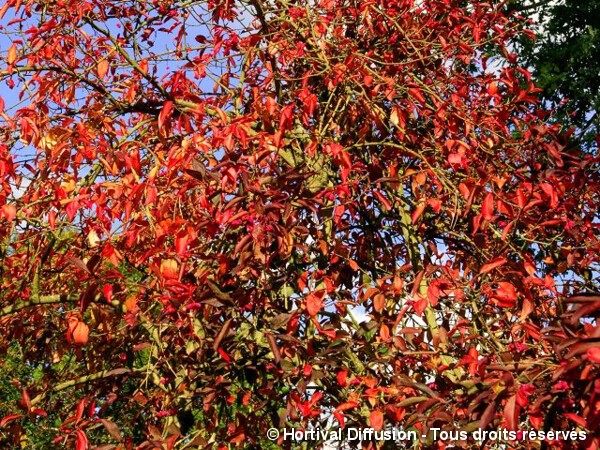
(394, 117)
(93, 238)
(11, 57)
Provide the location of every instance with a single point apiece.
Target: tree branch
(526, 8)
(260, 13)
(83, 379)
(49, 300)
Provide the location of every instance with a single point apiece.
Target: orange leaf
(102, 68)
(487, 207)
(131, 303)
(347, 405)
(593, 354)
(314, 303)
(464, 190)
(492, 265)
(384, 332)
(4, 9)
(81, 334)
(527, 309)
(376, 420)
(169, 269)
(379, 302)
(416, 93)
(511, 413)
(417, 212)
(9, 212)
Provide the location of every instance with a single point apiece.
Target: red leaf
(488, 415)
(52, 219)
(307, 370)
(577, 419)
(181, 244)
(80, 410)
(525, 391)
(224, 355)
(464, 190)
(82, 441)
(107, 290)
(339, 416)
(285, 120)
(25, 400)
(342, 375)
(527, 309)
(71, 209)
(507, 230)
(551, 192)
(8, 419)
(165, 114)
(39, 412)
(501, 294)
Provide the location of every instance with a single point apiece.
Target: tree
(564, 60)
(199, 198)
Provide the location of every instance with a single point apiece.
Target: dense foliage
(564, 59)
(219, 217)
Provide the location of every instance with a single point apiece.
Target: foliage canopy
(199, 199)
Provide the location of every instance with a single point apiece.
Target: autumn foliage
(220, 217)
